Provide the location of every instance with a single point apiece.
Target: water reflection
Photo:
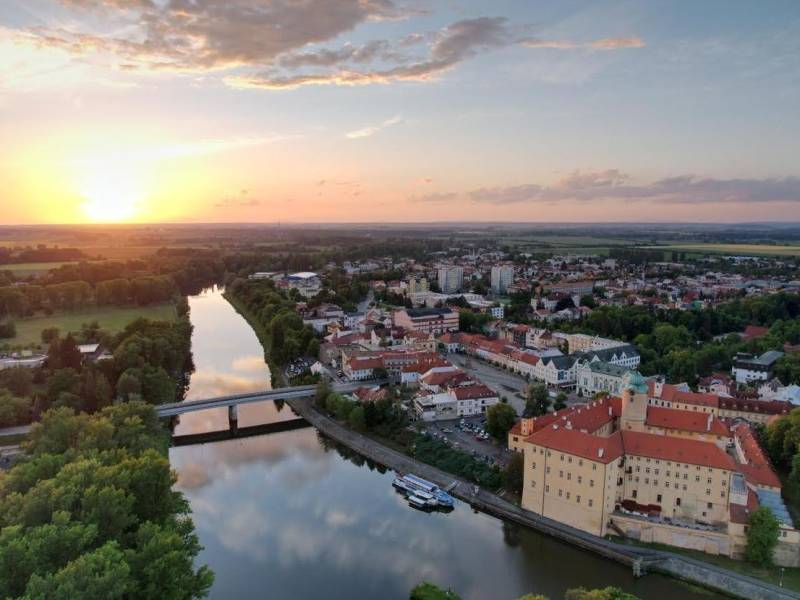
(292, 515)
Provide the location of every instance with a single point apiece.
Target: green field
(112, 319)
(28, 269)
(737, 249)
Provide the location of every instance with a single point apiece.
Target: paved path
(640, 559)
(19, 430)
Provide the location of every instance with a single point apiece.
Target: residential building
(427, 320)
(748, 367)
(502, 277)
(597, 376)
(450, 279)
(307, 283)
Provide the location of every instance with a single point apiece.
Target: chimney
(708, 422)
(600, 452)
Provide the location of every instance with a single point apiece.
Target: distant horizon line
(399, 223)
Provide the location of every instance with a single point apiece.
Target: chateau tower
(634, 402)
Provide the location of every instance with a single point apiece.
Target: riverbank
(640, 560)
(276, 373)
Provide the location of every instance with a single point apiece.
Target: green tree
(561, 401)
(763, 530)
(356, 418)
(61, 381)
(428, 591)
(609, 593)
(537, 402)
(129, 384)
(514, 473)
(19, 381)
(499, 419)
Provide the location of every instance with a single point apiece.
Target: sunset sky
(399, 110)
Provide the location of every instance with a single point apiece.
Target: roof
(577, 443)
(662, 447)
(767, 407)
(757, 468)
(303, 275)
(754, 331)
(420, 313)
(469, 392)
(672, 393)
(686, 420)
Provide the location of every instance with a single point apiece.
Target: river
(289, 516)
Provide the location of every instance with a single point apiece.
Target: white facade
(502, 277)
(450, 279)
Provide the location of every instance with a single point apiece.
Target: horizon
(366, 112)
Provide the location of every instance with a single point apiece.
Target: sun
(112, 193)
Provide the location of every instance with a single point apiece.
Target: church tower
(634, 402)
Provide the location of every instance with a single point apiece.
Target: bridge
(232, 403)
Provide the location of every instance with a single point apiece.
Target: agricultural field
(112, 319)
(33, 269)
(735, 249)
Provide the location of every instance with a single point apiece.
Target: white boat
(417, 502)
(411, 484)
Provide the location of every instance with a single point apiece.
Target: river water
(289, 515)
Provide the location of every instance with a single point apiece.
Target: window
(677, 501)
(709, 505)
(708, 492)
(560, 493)
(580, 479)
(567, 495)
(658, 498)
(561, 474)
(533, 483)
(591, 483)
(578, 499)
(548, 470)
(591, 502)
(633, 494)
(534, 466)
(547, 489)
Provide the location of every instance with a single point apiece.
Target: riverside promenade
(641, 560)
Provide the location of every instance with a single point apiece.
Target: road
(505, 384)
(20, 430)
(364, 304)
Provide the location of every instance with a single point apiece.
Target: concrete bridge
(232, 402)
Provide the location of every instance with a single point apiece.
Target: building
(592, 377)
(581, 342)
(418, 286)
(427, 320)
(665, 475)
(450, 279)
(502, 277)
(305, 282)
(748, 367)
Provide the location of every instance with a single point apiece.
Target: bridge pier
(233, 418)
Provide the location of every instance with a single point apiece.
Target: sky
(253, 111)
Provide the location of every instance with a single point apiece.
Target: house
(428, 320)
(748, 368)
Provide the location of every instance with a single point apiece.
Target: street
(505, 384)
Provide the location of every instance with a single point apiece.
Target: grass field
(28, 269)
(112, 319)
(736, 249)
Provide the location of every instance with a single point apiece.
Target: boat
(411, 484)
(418, 503)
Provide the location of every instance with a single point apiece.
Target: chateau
(631, 466)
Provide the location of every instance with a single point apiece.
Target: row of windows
(562, 494)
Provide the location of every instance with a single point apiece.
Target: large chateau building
(633, 466)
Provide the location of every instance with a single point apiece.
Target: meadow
(113, 319)
(35, 269)
(735, 249)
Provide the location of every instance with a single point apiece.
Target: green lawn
(789, 576)
(110, 318)
(736, 249)
(27, 269)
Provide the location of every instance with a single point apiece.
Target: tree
(19, 381)
(499, 419)
(763, 530)
(561, 401)
(321, 393)
(356, 418)
(514, 473)
(538, 401)
(62, 380)
(588, 301)
(129, 384)
(609, 593)
(428, 591)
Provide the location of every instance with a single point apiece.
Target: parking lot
(465, 438)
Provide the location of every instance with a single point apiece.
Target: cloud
(614, 185)
(241, 200)
(275, 44)
(616, 43)
(365, 132)
(602, 44)
(198, 35)
(451, 46)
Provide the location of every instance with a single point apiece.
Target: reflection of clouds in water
(207, 384)
(249, 363)
(208, 462)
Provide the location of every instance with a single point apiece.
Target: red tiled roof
(685, 420)
(766, 407)
(741, 514)
(671, 393)
(757, 470)
(664, 447)
(754, 331)
(469, 392)
(359, 364)
(570, 441)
